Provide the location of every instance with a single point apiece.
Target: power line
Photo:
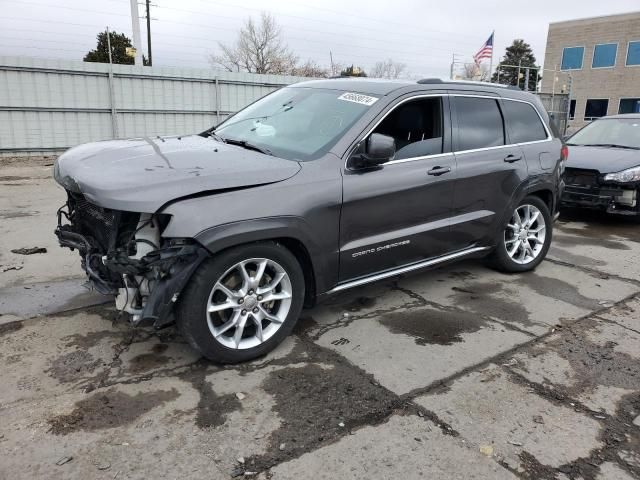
(390, 38)
(406, 54)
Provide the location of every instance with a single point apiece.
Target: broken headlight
(626, 176)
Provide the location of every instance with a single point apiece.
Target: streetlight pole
(149, 32)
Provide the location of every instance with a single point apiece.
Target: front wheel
(525, 239)
(242, 303)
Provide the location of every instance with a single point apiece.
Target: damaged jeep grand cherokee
(316, 188)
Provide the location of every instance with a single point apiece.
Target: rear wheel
(242, 303)
(525, 239)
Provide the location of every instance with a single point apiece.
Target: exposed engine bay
(124, 254)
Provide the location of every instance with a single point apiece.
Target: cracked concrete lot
(455, 373)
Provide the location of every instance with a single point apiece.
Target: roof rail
(430, 81)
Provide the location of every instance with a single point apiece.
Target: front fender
(324, 262)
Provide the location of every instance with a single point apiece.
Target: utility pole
(135, 27)
(114, 118)
(453, 61)
(568, 112)
(149, 32)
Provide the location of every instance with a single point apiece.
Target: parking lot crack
(618, 324)
(594, 272)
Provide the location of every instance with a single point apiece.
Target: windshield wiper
(215, 136)
(610, 145)
(247, 145)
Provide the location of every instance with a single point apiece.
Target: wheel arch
(292, 233)
(546, 195)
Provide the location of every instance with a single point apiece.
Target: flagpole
(493, 47)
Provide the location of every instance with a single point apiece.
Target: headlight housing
(626, 176)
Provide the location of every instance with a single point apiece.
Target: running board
(406, 269)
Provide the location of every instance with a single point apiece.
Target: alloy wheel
(525, 234)
(249, 303)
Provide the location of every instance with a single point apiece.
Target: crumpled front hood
(142, 174)
(605, 160)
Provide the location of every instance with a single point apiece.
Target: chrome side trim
(452, 94)
(406, 269)
(425, 157)
(397, 235)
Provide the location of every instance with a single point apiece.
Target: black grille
(103, 226)
(580, 177)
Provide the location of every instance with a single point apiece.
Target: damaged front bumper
(612, 199)
(144, 272)
(589, 189)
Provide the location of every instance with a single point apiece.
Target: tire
(523, 259)
(220, 301)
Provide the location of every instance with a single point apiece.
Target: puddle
(12, 178)
(147, 361)
(430, 326)
(8, 328)
(212, 410)
(357, 304)
(312, 402)
(91, 339)
(73, 366)
(599, 225)
(7, 215)
(596, 364)
(108, 410)
(580, 260)
(483, 299)
(558, 289)
(565, 240)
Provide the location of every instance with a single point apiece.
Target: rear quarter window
(523, 122)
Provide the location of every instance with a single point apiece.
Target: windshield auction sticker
(358, 98)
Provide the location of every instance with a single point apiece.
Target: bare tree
(310, 69)
(388, 69)
(258, 49)
(473, 71)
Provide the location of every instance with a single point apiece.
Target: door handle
(439, 171)
(512, 158)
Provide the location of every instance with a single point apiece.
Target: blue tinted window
(633, 53)
(604, 55)
(572, 58)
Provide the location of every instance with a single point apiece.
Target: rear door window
(523, 121)
(480, 123)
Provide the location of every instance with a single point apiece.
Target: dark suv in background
(316, 188)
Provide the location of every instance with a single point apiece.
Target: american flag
(486, 51)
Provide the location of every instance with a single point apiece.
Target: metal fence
(50, 105)
(558, 107)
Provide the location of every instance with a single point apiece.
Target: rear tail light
(564, 153)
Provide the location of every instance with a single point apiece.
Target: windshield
(610, 132)
(296, 123)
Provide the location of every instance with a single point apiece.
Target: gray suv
(316, 188)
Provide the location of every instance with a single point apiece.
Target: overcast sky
(423, 34)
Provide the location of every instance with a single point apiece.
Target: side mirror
(379, 149)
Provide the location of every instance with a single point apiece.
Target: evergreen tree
(119, 44)
(518, 53)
